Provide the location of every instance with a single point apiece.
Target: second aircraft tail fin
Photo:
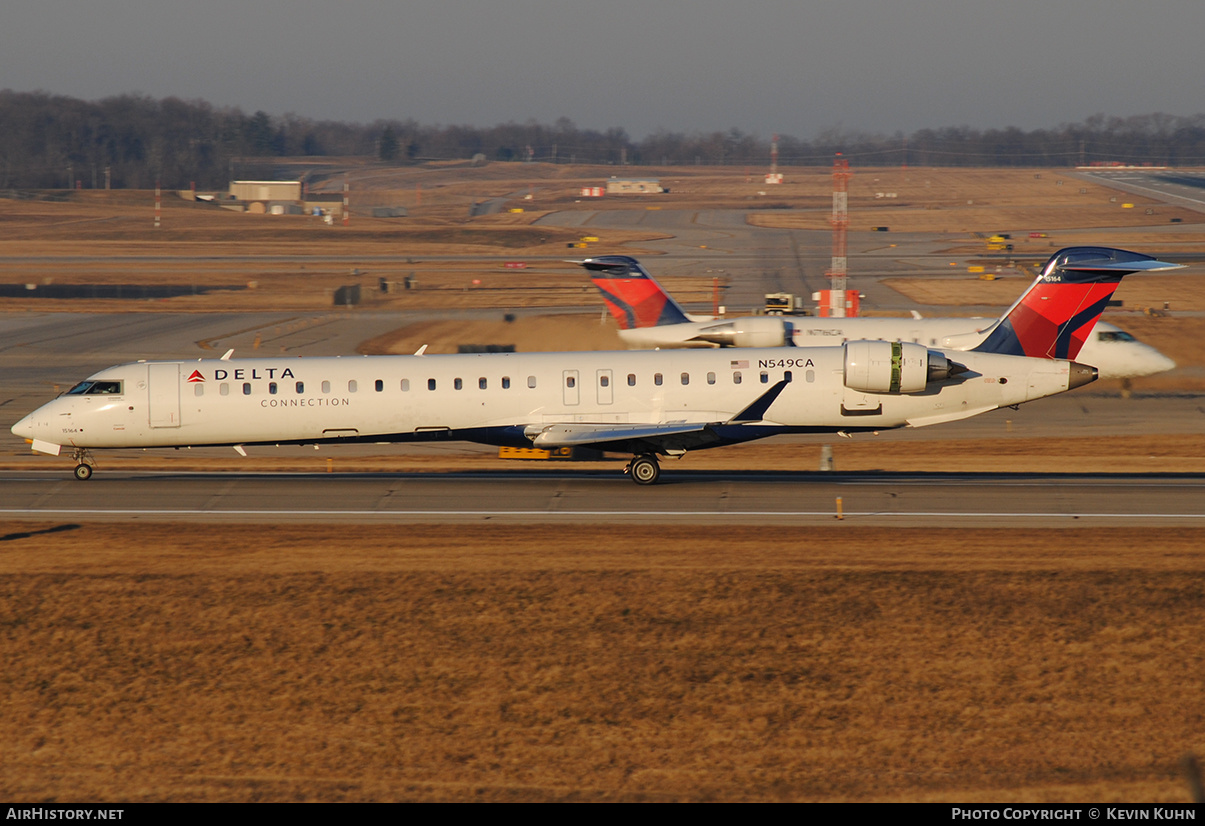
(633, 296)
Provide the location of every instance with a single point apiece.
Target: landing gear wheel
(83, 472)
(645, 470)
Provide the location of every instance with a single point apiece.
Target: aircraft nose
(1150, 361)
(24, 428)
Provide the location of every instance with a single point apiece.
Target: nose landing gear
(83, 468)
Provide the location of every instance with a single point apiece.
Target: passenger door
(163, 385)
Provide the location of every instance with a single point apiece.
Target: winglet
(756, 412)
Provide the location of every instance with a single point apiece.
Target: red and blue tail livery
(634, 298)
(1056, 314)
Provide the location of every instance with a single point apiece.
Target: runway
(555, 496)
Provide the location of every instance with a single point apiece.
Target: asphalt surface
(556, 496)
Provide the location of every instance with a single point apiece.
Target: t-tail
(633, 296)
(1054, 317)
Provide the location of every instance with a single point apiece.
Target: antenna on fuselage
(421, 351)
(226, 356)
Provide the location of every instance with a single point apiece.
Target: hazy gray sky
(761, 66)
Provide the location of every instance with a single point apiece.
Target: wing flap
(580, 435)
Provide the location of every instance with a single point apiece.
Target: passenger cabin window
(531, 382)
(246, 388)
(809, 375)
(481, 383)
(326, 387)
(405, 385)
(272, 388)
(685, 379)
(736, 377)
(657, 379)
(711, 378)
(458, 384)
(765, 377)
(224, 389)
(631, 379)
(352, 386)
(506, 382)
(380, 386)
(430, 384)
(198, 390)
(300, 387)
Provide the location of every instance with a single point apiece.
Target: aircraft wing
(669, 437)
(659, 437)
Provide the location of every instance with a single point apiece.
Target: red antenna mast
(838, 273)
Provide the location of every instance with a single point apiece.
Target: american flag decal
(738, 364)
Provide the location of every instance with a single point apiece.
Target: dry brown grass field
(988, 201)
(598, 662)
(189, 662)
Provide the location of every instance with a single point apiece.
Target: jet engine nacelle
(894, 366)
(753, 331)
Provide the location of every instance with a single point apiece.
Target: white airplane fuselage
(512, 398)
(1114, 352)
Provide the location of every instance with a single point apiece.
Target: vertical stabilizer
(634, 298)
(1054, 317)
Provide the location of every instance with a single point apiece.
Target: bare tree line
(134, 141)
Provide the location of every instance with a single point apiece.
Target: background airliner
(648, 317)
(651, 403)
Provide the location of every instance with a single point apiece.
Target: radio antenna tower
(838, 272)
(774, 176)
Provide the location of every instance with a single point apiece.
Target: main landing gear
(83, 468)
(644, 469)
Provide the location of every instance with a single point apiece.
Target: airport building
(633, 186)
(265, 191)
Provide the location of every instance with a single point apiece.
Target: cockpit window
(1114, 335)
(96, 388)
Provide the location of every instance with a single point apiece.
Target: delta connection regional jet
(649, 404)
(648, 317)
